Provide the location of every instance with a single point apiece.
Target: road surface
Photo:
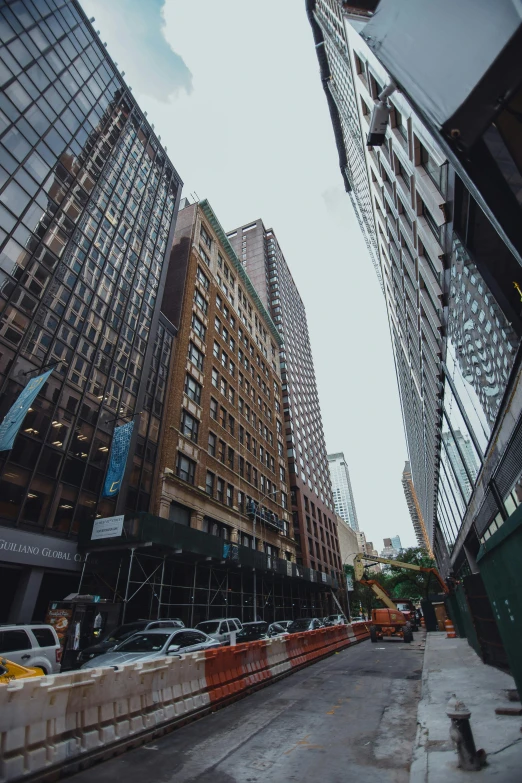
(351, 717)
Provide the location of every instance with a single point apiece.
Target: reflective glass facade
(87, 206)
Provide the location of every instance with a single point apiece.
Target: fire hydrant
(470, 758)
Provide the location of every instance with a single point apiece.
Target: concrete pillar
(26, 595)
(196, 520)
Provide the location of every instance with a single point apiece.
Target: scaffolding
(154, 583)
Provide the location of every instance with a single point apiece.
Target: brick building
(223, 487)
(315, 526)
(224, 445)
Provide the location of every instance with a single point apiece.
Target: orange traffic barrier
(450, 630)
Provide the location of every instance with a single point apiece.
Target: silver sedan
(158, 643)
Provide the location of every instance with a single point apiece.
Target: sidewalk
(452, 666)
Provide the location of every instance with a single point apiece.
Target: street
(350, 717)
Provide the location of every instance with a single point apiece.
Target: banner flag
(118, 459)
(18, 411)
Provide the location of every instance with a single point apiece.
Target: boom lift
(389, 621)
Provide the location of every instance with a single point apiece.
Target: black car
(305, 624)
(252, 632)
(122, 632)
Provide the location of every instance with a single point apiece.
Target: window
(209, 484)
(220, 490)
(230, 495)
(223, 417)
(195, 356)
(230, 457)
(185, 468)
(205, 236)
(215, 349)
(204, 256)
(203, 279)
(199, 327)
(430, 220)
(11, 641)
(400, 123)
(211, 444)
(44, 637)
(215, 377)
(221, 451)
(401, 171)
(231, 424)
(282, 473)
(189, 426)
(193, 389)
(213, 409)
(436, 173)
(200, 301)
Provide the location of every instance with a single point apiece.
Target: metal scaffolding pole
(127, 585)
(161, 586)
(193, 596)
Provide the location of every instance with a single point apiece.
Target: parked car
(357, 620)
(157, 643)
(305, 624)
(35, 646)
(278, 628)
(221, 628)
(335, 619)
(122, 632)
(251, 632)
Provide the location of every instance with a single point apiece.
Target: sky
(233, 89)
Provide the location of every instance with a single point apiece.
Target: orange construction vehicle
(390, 621)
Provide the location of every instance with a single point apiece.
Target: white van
(34, 645)
(220, 629)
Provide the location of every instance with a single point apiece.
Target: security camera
(380, 117)
(378, 124)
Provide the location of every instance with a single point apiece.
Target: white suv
(35, 645)
(220, 629)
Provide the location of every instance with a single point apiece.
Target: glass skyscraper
(88, 200)
(342, 490)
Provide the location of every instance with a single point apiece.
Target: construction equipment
(390, 621)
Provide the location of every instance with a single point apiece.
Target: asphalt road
(349, 718)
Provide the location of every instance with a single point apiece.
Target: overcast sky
(233, 89)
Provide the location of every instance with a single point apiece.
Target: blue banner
(17, 413)
(118, 459)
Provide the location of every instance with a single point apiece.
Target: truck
(390, 621)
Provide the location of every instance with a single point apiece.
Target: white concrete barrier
(46, 722)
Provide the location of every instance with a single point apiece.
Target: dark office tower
(312, 502)
(88, 200)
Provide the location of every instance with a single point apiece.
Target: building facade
(348, 541)
(224, 481)
(88, 203)
(451, 275)
(412, 502)
(342, 490)
(311, 495)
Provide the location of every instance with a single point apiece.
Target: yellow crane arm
(358, 566)
(380, 592)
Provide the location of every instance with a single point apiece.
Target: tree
(398, 582)
(403, 583)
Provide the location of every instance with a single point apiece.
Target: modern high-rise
(396, 542)
(88, 201)
(342, 490)
(311, 495)
(450, 263)
(412, 502)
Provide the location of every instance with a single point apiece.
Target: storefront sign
(18, 546)
(107, 527)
